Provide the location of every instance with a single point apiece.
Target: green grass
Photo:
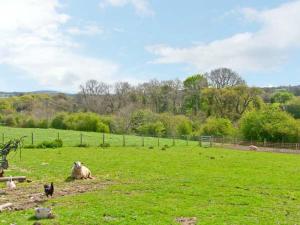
(154, 187)
(73, 138)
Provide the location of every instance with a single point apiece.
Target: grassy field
(74, 138)
(155, 187)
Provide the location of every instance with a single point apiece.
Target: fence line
(264, 144)
(77, 138)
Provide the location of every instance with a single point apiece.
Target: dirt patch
(33, 195)
(187, 220)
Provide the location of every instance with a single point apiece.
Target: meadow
(138, 185)
(74, 138)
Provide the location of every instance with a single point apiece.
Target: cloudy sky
(59, 44)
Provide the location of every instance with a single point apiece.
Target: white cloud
(266, 49)
(90, 29)
(141, 7)
(32, 38)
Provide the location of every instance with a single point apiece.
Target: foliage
(192, 87)
(58, 121)
(152, 129)
(218, 127)
(282, 97)
(293, 107)
(230, 102)
(271, 124)
(51, 144)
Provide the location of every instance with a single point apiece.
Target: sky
(60, 44)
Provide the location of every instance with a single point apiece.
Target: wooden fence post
(173, 141)
(143, 141)
(187, 140)
(32, 139)
(3, 138)
(103, 138)
(124, 144)
(81, 139)
(58, 136)
(158, 141)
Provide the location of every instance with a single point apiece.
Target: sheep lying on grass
(80, 172)
(253, 148)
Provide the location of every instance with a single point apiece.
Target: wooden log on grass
(17, 178)
(5, 206)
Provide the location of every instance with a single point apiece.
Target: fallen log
(5, 206)
(17, 178)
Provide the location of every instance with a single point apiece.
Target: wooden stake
(18, 178)
(6, 205)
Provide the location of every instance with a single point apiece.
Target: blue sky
(59, 44)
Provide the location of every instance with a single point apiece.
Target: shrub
(153, 129)
(51, 144)
(10, 121)
(218, 127)
(184, 125)
(29, 146)
(58, 121)
(86, 122)
(29, 123)
(105, 145)
(82, 145)
(271, 124)
(42, 124)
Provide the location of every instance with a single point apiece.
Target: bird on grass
(11, 184)
(49, 189)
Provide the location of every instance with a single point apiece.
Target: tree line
(217, 103)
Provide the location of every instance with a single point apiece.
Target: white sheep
(253, 148)
(80, 172)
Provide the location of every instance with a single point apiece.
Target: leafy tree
(230, 102)
(193, 86)
(282, 97)
(293, 107)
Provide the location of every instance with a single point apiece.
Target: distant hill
(49, 92)
(294, 89)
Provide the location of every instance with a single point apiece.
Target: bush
(29, 146)
(86, 122)
(82, 146)
(58, 122)
(51, 144)
(42, 124)
(10, 121)
(218, 127)
(29, 123)
(105, 145)
(271, 124)
(184, 125)
(152, 129)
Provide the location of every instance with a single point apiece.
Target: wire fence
(34, 136)
(77, 138)
(262, 144)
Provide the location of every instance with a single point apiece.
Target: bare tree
(224, 77)
(122, 93)
(96, 97)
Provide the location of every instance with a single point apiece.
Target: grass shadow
(69, 179)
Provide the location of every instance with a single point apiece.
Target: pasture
(138, 185)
